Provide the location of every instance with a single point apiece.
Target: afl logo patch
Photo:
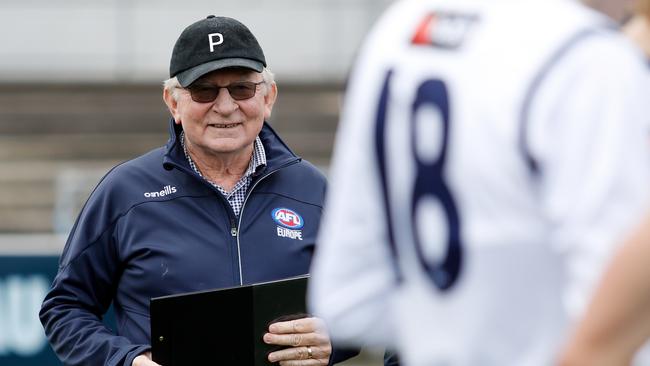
(287, 218)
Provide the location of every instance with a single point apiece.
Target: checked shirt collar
(237, 195)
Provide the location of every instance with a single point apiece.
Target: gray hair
(173, 86)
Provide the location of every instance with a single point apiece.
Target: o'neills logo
(167, 190)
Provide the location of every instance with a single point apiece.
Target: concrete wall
(130, 41)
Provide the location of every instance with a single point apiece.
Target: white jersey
(490, 156)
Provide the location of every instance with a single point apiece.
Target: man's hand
(308, 338)
(144, 360)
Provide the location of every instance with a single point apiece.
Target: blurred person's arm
(617, 321)
(638, 29)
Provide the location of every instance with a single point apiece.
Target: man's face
(225, 126)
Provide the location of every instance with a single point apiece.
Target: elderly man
(199, 213)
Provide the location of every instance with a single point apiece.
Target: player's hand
(144, 360)
(308, 340)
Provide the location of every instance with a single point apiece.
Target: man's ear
(269, 100)
(172, 105)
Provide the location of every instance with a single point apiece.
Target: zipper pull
(233, 227)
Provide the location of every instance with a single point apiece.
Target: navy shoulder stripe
(532, 90)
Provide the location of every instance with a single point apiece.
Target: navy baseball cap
(211, 44)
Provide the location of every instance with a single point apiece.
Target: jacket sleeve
(83, 290)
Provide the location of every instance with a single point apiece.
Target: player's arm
(618, 320)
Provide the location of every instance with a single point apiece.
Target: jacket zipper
(233, 223)
(234, 226)
(235, 230)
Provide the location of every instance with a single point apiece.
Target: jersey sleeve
(589, 133)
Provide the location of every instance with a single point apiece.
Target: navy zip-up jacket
(153, 227)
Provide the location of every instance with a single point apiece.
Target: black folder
(223, 327)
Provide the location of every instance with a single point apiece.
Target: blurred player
(490, 156)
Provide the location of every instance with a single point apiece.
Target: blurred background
(80, 91)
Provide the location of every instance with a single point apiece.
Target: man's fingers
(300, 354)
(311, 362)
(295, 340)
(144, 360)
(150, 363)
(304, 325)
(297, 353)
(302, 335)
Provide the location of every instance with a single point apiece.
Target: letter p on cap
(213, 42)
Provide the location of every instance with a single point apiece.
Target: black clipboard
(223, 327)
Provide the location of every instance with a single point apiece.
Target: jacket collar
(277, 152)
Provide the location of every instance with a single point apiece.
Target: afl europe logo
(287, 218)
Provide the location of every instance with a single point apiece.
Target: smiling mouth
(224, 125)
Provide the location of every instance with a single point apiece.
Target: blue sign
(24, 281)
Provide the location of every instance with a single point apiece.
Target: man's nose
(224, 103)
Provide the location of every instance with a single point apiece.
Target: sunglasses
(207, 93)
